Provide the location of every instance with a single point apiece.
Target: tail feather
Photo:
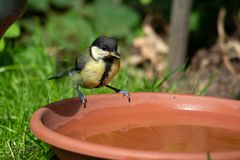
(59, 75)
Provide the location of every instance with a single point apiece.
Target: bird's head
(104, 47)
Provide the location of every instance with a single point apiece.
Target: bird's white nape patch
(98, 53)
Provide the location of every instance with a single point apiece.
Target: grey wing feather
(78, 65)
(81, 60)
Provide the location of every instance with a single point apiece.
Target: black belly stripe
(108, 65)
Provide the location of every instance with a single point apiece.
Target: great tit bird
(95, 67)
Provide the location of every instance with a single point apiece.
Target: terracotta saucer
(151, 126)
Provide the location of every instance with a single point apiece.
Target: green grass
(23, 90)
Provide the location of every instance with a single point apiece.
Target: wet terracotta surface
(152, 126)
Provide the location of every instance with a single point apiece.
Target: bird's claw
(125, 93)
(83, 100)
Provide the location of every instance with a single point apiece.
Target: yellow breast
(91, 75)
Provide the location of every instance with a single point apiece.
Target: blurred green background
(51, 33)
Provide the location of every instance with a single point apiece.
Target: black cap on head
(106, 43)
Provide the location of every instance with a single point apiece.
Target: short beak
(114, 54)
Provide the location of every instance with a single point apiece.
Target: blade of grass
(7, 68)
(169, 74)
(207, 85)
(50, 93)
(208, 156)
(10, 149)
(7, 128)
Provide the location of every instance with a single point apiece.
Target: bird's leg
(81, 96)
(125, 93)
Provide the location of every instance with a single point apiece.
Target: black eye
(104, 48)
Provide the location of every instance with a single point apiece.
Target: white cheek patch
(98, 53)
